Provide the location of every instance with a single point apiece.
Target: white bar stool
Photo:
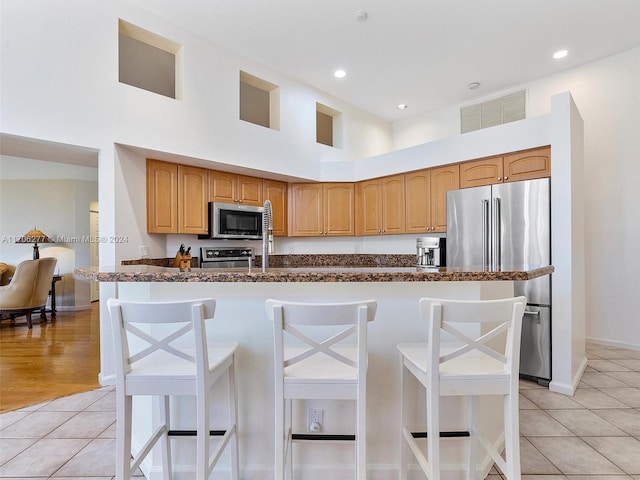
(151, 358)
(466, 364)
(320, 366)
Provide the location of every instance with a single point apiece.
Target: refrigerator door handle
(496, 246)
(485, 234)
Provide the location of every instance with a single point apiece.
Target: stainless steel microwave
(235, 221)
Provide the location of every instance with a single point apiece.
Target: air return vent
(493, 112)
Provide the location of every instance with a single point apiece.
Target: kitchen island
(240, 316)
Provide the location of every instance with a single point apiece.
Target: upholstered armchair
(5, 273)
(28, 289)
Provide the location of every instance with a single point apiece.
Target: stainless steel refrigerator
(506, 225)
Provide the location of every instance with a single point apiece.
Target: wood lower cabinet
(322, 209)
(231, 188)
(512, 167)
(380, 206)
(162, 197)
(276, 193)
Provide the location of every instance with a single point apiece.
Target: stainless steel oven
(226, 257)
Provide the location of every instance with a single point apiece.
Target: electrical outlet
(314, 420)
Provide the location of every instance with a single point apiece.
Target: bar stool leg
(164, 408)
(404, 398)
(233, 420)
(472, 428)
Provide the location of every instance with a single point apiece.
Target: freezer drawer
(535, 346)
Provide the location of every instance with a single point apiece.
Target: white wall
(606, 94)
(68, 92)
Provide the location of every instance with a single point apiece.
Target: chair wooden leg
(279, 437)
(203, 439)
(361, 433)
(165, 441)
(233, 420)
(404, 398)
(288, 443)
(123, 437)
(472, 427)
(29, 324)
(512, 437)
(433, 434)
(43, 315)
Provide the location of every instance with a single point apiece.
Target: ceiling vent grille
(493, 112)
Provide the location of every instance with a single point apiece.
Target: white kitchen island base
(240, 316)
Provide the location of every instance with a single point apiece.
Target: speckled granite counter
(150, 273)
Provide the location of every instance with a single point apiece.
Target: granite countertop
(313, 268)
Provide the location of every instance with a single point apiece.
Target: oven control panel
(210, 255)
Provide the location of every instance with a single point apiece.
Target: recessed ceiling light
(339, 74)
(473, 85)
(402, 106)
(560, 54)
(361, 15)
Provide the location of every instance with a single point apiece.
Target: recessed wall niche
(328, 126)
(259, 101)
(148, 61)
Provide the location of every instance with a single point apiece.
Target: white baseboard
(72, 308)
(613, 343)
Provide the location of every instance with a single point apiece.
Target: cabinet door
(368, 208)
(193, 184)
(443, 179)
(417, 201)
(393, 210)
(249, 190)
(485, 171)
(162, 197)
(306, 209)
(338, 199)
(527, 165)
(222, 187)
(276, 193)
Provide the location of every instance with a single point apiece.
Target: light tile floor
(594, 435)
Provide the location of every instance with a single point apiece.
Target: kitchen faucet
(267, 234)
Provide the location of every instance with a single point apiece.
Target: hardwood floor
(52, 360)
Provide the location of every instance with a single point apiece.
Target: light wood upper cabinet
(485, 171)
(527, 165)
(193, 191)
(276, 193)
(380, 206)
(339, 208)
(322, 209)
(417, 201)
(513, 167)
(393, 202)
(162, 197)
(443, 179)
(369, 207)
(231, 188)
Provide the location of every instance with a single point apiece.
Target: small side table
(52, 293)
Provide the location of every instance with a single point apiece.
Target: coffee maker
(431, 252)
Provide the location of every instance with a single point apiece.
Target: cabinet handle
(499, 178)
(506, 178)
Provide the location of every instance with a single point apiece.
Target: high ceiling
(423, 53)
